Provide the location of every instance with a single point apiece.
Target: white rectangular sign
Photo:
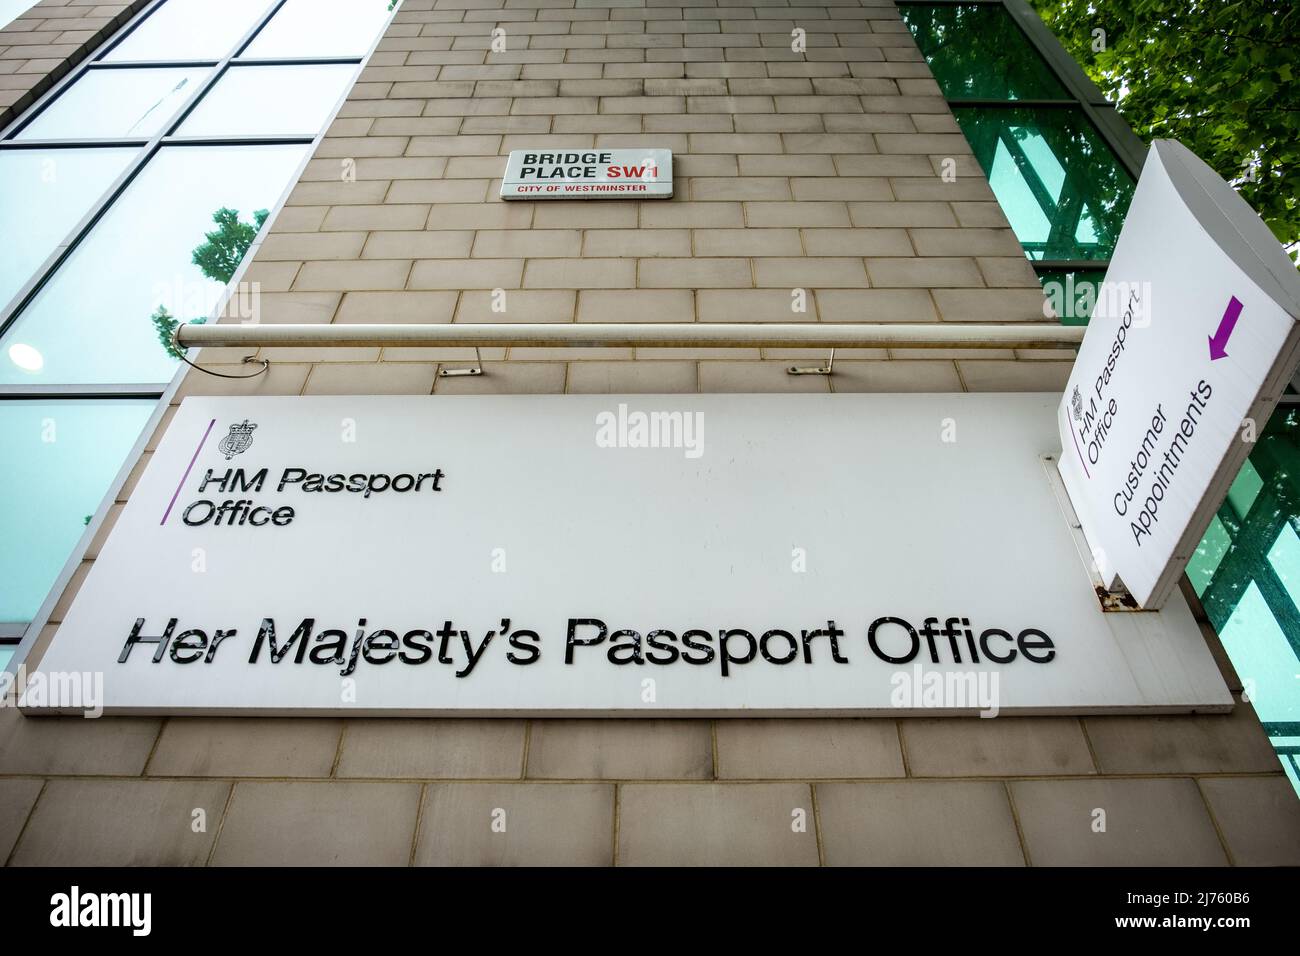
(1192, 339)
(636, 556)
(588, 174)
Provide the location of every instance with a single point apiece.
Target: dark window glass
(1072, 294)
(977, 52)
(1061, 187)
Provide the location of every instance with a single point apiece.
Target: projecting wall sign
(588, 174)
(638, 556)
(1191, 343)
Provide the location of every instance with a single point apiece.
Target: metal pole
(1026, 335)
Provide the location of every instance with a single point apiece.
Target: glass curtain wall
(128, 196)
(1062, 187)
(1065, 186)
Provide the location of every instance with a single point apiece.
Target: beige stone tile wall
(818, 171)
(44, 43)
(1010, 791)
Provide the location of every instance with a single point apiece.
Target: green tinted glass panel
(1245, 489)
(59, 459)
(1209, 554)
(976, 51)
(1247, 572)
(1284, 558)
(1057, 181)
(1254, 640)
(1072, 294)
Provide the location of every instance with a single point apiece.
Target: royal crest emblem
(238, 441)
(1076, 404)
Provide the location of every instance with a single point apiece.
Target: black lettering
(192, 644)
(334, 641)
(531, 651)
(661, 640)
(617, 653)
(898, 622)
(725, 655)
(266, 633)
(1043, 643)
(697, 641)
(783, 635)
(412, 641)
(380, 642)
(571, 640)
(984, 646)
(135, 637)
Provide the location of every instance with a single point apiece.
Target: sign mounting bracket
(476, 369)
(827, 369)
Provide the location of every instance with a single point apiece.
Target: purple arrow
(1219, 340)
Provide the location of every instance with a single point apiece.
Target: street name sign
(1192, 341)
(730, 555)
(588, 174)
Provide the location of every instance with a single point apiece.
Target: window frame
(17, 634)
(1081, 94)
(147, 147)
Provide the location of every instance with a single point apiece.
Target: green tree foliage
(224, 248)
(1219, 76)
(165, 324)
(217, 258)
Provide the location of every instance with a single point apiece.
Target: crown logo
(238, 441)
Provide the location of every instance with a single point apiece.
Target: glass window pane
(92, 322)
(290, 99)
(1245, 489)
(109, 103)
(1209, 555)
(321, 28)
(1259, 650)
(43, 194)
(1284, 556)
(190, 30)
(6, 652)
(1073, 294)
(59, 459)
(1252, 593)
(976, 51)
(1060, 186)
